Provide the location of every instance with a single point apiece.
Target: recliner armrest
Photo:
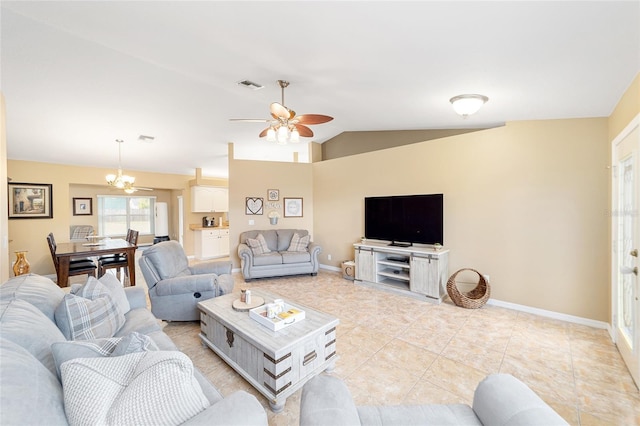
(326, 400)
(212, 267)
(501, 399)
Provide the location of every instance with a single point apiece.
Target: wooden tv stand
(416, 271)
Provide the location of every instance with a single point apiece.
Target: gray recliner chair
(175, 288)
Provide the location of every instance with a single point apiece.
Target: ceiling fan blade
(313, 119)
(251, 120)
(264, 132)
(137, 188)
(279, 111)
(304, 130)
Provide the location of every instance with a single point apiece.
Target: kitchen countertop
(195, 227)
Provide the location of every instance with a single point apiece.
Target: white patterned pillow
(113, 346)
(299, 243)
(258, 245)
(90, 312)
(143, 388)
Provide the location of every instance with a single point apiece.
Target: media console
(415, 271)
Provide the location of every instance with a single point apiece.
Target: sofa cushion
(89, 313)
(117, 291)
(452, 414)
(39, 291)
(140, 320)
(126, 389)
(273, 258)
(299, 243)
(295, 257)
(27, 326)
(113, 346)
(30, 394)
(258, 245)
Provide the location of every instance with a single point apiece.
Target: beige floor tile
(455, 377)
(397, 350)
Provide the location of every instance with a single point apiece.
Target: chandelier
(119, 180)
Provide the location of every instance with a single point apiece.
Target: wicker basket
(473, 299)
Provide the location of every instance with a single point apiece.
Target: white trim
(551, 314)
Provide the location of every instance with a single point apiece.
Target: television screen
(405, 219)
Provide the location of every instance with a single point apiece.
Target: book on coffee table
(289, 315)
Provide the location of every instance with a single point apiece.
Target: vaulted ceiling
(77, 75)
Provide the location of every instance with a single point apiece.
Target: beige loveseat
(281, 258)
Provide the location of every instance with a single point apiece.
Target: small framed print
(292, 207)
(254, 205)
(30, 201)
(82, 206)
(273, 194)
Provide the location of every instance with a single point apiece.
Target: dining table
(71, 250)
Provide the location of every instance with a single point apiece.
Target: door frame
(633, 125)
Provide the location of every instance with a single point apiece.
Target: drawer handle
(230, 338)
(309, 357)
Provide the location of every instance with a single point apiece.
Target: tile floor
(398, 350)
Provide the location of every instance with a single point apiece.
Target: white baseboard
(528, 309)
(550, 314)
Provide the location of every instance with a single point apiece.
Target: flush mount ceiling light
(465, 105)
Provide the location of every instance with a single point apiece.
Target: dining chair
(119, 260)
(76, 266)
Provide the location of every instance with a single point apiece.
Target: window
(117, 214)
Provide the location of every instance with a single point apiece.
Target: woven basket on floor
(473, 299)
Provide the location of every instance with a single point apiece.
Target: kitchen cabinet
(209, 199)
(210, 243)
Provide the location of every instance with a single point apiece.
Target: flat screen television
(405, 219)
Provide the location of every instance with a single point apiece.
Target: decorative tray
(243, 307)
(289, 315)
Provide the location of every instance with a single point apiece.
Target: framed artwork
(292, 207)
(254, 205)
(30, 200)
(273, 194)
(82, 206)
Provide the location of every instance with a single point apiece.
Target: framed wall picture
(254, 205)
(273, 194)
(82, 206)
(292, 207)
(30, 200)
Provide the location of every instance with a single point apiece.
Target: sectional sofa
(98, 355)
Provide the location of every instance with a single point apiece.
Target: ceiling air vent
(146, 138)
(250, 85)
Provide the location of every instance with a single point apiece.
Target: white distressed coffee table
(276, 363)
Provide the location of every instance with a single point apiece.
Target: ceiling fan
(285, 124)
(120, 180)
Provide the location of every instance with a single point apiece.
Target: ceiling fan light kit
(465, 105)
(285, 126)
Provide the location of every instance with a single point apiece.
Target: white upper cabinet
(209, 199)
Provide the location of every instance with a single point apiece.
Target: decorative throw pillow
(90, 312)
(117, 291)
(114, 346)
(156, 387)
(258, 245)
(299, 243)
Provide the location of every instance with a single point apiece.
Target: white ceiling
(77, 75)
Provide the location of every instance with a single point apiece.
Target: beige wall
(524, 203)
(253, 179)
(626, 109)
(73, 181)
